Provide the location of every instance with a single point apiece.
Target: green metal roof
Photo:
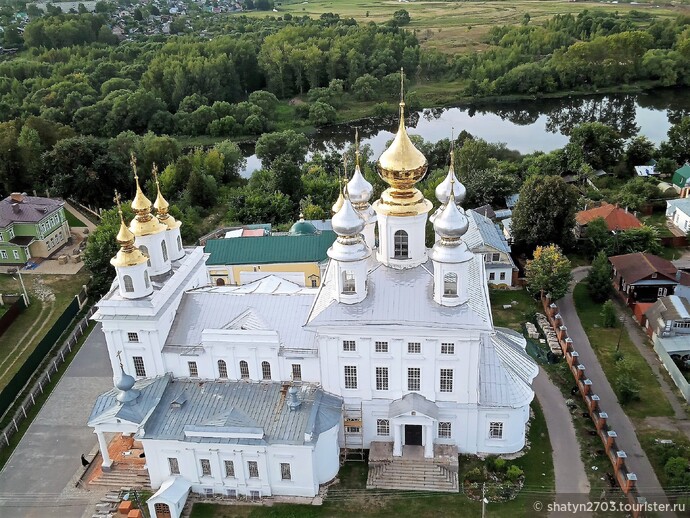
(270, 249)
(302, 228)
(681, 176)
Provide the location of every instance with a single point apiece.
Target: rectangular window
(254, 495)
(139, 369)
(502, 276)
(349, 346)
(253, 468)
(285, 471)
(381, 347)
(15, 253)
(383, 427)
(444, 430)
(661, 292)
(680, 325)
(133, 337)
(3, 254)
(447, 348)
(350, 376)
(229, 469)
(414, 376)
(496, 257)
(296, 372)
(352, 429)
(496, 430)
(492, 276)
(414, 348)
(381, 378)
(174, 466)
(10, 232)
(193, 371)
(446, 380)
(205, 467)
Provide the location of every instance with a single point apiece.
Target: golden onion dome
(161, 205)
(140, 203)
(402, 164)
(129, 254)
(143, 223)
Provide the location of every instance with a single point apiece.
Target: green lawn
(73, 220)
(518, 314)
(658, 221)
(659, 454)
(19, 341)
(350, 497)
(652, 401)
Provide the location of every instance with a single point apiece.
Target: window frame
(173, 466)
(244, 370)
(285, 471)
(205, 465)
(401, 245)
(446, 380)
(296, 372)
(349, 284)
(380, 347)
(265, 371)
(414, 374)
(414, 347)
(448, 348)
(496, 430)
(381, 378)
(450, 284)
(383, 427)
(139, 366)
(253, 469)
(222, 369)
(445, 430)
(350, 377)
(349, 346)
(133, 337)
(193, 369)
(229, 473)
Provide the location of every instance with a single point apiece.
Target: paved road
(637, 461)
(567, 463)
(38, 480)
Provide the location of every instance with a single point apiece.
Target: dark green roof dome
(302, 228)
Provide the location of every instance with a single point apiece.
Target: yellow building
(297, 256)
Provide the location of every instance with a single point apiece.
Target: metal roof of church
(228, 307)
(482, 231)
(209, 404)
(405, 297)
(270, 249)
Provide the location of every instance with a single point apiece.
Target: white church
(257, 390)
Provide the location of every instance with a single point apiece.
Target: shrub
(514, 473)
(627, 388)
(608, 314)
(475, 475)
(500, 465)
(382, 109)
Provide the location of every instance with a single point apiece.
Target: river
(525, 126)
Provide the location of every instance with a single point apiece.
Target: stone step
(123, 477)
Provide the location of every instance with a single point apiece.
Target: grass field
(49, 296)
(353, 500)
(73, 220)
(604, 340)
(455, 27)
(518, 314)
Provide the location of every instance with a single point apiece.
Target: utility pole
(483, 498)
(622, 321)
(24, 294)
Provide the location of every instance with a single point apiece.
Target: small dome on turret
(358, 188)
(303, 228)
(443, 190)
(347, 221)
(451, 223)
(126, 382)
(126, 387)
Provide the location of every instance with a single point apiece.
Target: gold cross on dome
(154, 171)
(119, 354)
(133, 163)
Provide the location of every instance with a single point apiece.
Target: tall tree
(545, 213)
(599, 278)
(549, 272)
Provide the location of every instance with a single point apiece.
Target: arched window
(164, 247)
(146, 279)
(220, 281)
(129, 285)
(450, 285)
(244, 370)
(348, 282)
(179, 243)
(400, 245)
(145, 251)
(222, 369)
(265, 370)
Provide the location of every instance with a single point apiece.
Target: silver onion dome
(359, 189)
(347, 222)
(443, 189)
(451, 223)
(125, 385)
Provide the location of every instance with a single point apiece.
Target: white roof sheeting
(404, 298)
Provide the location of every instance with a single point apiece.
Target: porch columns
(397, 440)
(103, 445)
(429, 441)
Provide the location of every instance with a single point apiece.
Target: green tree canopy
(549, 272)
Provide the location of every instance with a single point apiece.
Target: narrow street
(647, 483)
(38, 480)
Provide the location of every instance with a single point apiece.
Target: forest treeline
(73, 73)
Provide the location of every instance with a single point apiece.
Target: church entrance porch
(413, 471)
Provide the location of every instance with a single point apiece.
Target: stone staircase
(123, 476)
(412, 475)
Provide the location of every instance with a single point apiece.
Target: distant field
(456, 27)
